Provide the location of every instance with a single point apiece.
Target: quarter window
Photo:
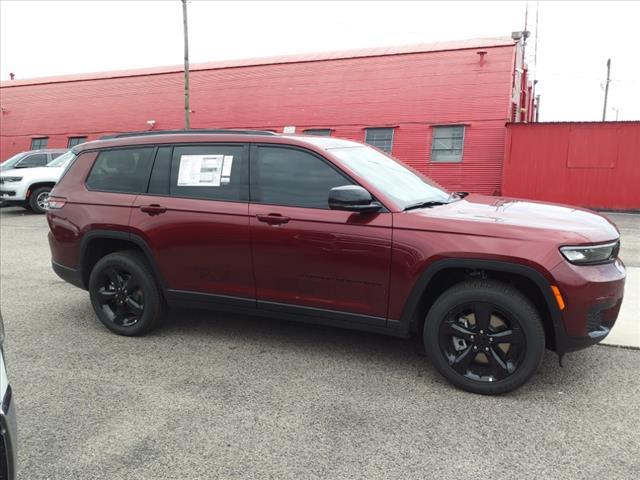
(211, 172)
(73, 141)
(286, 176)
(319, 132)
(448, 143)
(38, 143)
(122, 170)
(381, 138)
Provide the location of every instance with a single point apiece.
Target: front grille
(594, 319)
(10, 193)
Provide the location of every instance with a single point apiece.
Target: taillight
(56, 203)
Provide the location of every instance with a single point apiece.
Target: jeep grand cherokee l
(331, 231)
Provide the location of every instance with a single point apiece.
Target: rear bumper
(69, 275)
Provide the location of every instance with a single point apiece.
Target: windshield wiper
(430, 203)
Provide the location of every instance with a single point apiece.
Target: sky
(46, 38)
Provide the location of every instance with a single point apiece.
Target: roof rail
(220, 131)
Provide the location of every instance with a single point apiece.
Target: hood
(508, 217)
(34, 172)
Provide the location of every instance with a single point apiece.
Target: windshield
(7, 164)
(401, 184)
(62, 160)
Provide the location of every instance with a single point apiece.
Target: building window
(381, 138)
(447, 145)
(38, 143)
(319, 132)
(73, 141)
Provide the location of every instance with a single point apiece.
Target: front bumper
(13, 191)
(593, 297)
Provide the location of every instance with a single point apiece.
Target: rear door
(307, 256)
(194, 218)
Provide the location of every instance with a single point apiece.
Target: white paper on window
(200, 170)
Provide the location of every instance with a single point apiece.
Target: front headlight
(591, 254)
(11, 179)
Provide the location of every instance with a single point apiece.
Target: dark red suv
(331, 231)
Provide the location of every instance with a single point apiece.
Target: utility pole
(606, 90)
(187, 109)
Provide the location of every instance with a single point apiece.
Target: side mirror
(352, 198)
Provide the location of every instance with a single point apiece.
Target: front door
(194, 218)
(306, 255)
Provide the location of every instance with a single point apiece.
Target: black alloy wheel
(481, 342)
(120, 297)
(484, 336)
(124, 293)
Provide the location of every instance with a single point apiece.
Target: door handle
(273, 219)
(153, 209)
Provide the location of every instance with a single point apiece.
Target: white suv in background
(30, 187)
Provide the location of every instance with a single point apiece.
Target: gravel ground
(230, 397)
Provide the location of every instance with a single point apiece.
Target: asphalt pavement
(231, 397)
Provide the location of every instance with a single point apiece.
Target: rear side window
(36, 160)
(210, 172)
(285, 176)
(122, 170)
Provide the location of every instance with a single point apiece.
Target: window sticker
(200, 170)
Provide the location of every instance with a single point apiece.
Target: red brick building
(440, 107)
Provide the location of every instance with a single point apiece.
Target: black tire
(38, 198)
(125, 295)
(468, 352)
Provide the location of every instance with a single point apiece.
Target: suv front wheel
(38, 200)
(484, 337)
(124, 294)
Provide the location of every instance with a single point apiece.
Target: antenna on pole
(535, 47)
(187, 109)
(606, 90)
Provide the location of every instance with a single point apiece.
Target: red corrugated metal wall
(594, 165)
(410, 92)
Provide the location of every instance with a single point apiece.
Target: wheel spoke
(455, 329)
(118, 317)
(499, 367)
(105, 295)
(133, 305)
(510, 335)
(114, 277)
(462, 361)
(482, 313)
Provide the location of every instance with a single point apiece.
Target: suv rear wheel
(38, 199)
(124, 294)
(484, 337)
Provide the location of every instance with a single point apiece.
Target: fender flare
(528, 272)
(120, 235)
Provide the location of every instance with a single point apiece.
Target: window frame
(393, 137)
(253, 158)
(99, 151)
(433, 142)
(39, 139)
(70, 139)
